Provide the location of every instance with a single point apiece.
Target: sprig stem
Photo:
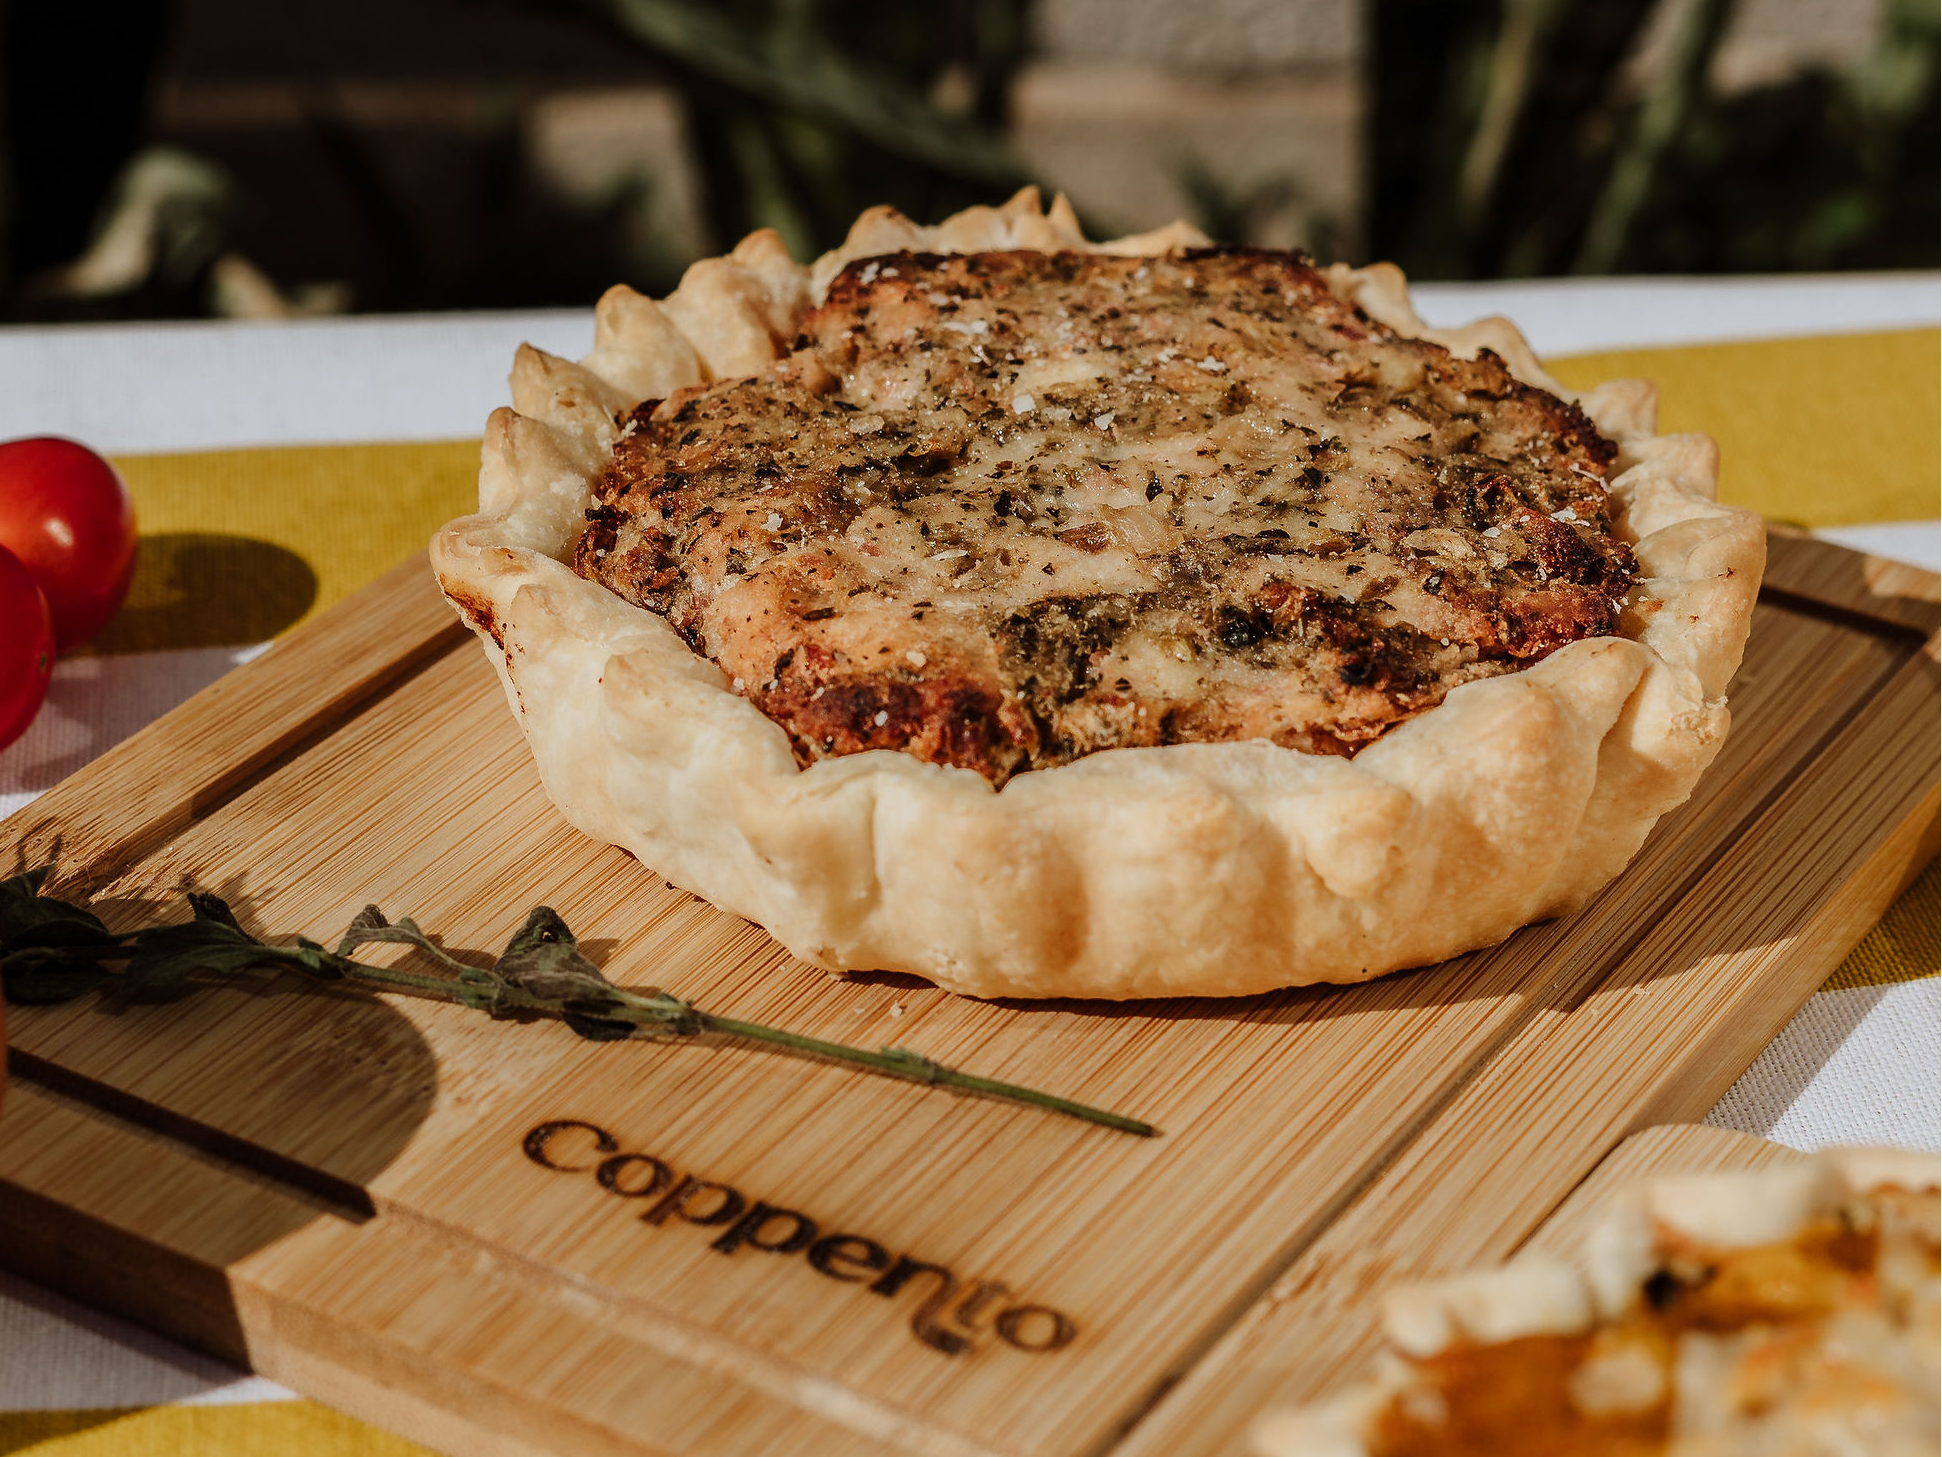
(895, 1061)
(51, 951)
(901, 1063)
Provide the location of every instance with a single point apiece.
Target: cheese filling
(1003, 510)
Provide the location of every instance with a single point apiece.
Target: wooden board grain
(346, 1193)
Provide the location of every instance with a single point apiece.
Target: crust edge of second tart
(1546, 1295)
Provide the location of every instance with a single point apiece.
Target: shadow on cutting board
(148, 1149)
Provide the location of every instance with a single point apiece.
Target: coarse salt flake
(1023, 404)
(915, 658)
(882, 718)
(774, 523)
(1210, 364)
(948, 553)
(1103, 422)
(738, 685)
(1567, 514)
(1493, 532)
(866, 424)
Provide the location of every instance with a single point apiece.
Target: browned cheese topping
(1002, 510)
(1805, 1323)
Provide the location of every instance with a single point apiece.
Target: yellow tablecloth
(240, 545)
(1815, 432)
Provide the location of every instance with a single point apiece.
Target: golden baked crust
(1002, 510)
(1786, 1313)
(1195, 869)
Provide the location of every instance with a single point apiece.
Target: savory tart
(1791, 1312)
(1057, 618)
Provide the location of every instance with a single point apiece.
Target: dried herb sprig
(53, 951)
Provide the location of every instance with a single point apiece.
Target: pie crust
(1192, 869)
(1785, 1352)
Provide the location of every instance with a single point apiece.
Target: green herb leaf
(213, 942)
(50, 951)
(165, 956)
(28, 918)
(206, 907)
(370, 925)
(598, 1029)
(543, 960)
(316, 960)
(41, 975)
(478, 988)
(27, 883)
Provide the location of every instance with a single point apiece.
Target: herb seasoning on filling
(1140, 501)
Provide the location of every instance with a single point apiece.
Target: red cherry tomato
(67, 516)
(26, 647)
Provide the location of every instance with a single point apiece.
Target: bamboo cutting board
(497, 1238)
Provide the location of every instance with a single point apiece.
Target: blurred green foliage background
(219, 157)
